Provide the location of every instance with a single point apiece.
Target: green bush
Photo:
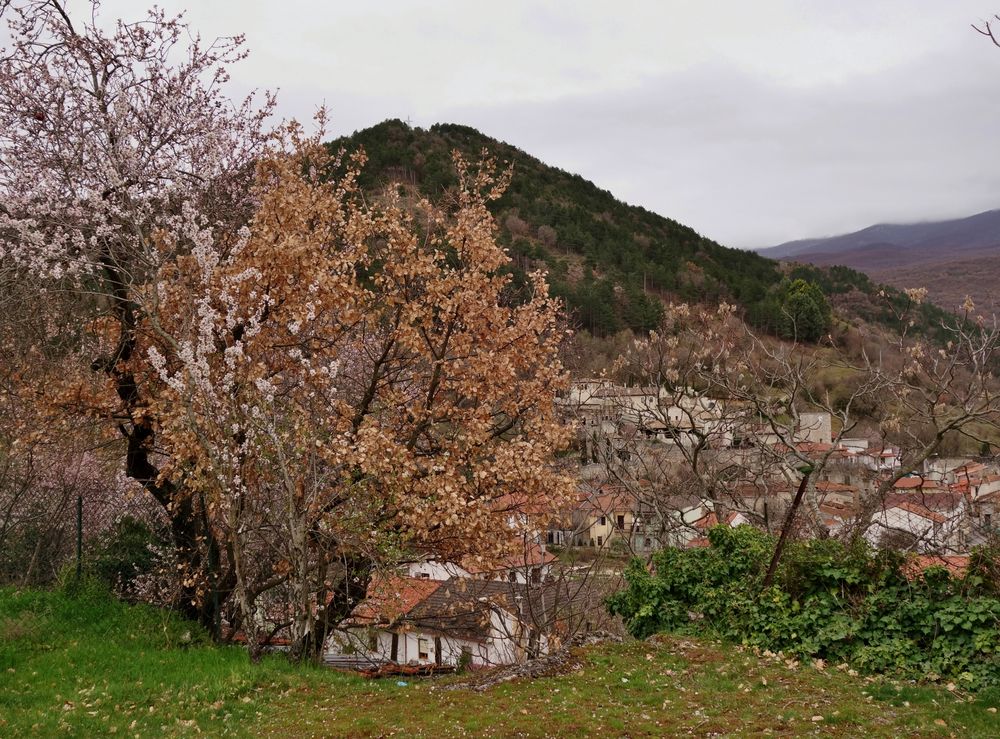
(125, 552)
(828, 601)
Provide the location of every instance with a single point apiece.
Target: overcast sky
(754, 122)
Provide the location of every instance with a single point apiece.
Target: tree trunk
(785, 529)
(350, 589)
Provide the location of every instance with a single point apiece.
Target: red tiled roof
(607, 503)
(935, 499)
(956, 564)
(706, 522)
(531, 556)
(825, 486)
(392, 596)
(836, 510)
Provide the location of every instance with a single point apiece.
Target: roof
(935, 500)
(461, 607)
(838, 511)
(828, 486)
(711, 519)
(531, 555)
(956, 564)
(911, 506)
(392, 596)
(968, 470)
(607, 501)
(813, 447)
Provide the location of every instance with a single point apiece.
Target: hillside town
(445, 613)
(499, 369)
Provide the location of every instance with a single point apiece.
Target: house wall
(355, 641)
(948, 535)
(435, 570)
(505, 644)
(609, 530)
(815, 427)
(986, 488)
(937, 468)
(445, 570)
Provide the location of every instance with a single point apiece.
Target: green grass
(94, 667)
(87, 666)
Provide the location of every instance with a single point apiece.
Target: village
(522, 369)
(634, 497)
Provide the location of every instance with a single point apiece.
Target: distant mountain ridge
(952, 258)
(971, 233)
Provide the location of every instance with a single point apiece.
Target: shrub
(829, 601)
(126, 552)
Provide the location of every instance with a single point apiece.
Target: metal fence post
(79, 536)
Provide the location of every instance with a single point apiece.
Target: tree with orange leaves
(305, 383)
(348, 385)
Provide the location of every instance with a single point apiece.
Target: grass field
(88, 666)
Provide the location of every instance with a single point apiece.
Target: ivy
(828, 601)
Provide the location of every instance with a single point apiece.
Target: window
(423, 649)
(988, 520)
(621, 522)
(536, 574)
(648, 543)
(600, 541)
(424, 575)
(603, 521)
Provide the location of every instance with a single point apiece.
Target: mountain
(612, 263)
(952, 258)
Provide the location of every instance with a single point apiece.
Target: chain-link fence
(72, 515)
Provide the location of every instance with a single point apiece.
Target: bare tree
(709, 410)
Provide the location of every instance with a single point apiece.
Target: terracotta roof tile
(391, 596)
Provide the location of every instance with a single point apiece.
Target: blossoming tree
(106, 140)
(310, 383)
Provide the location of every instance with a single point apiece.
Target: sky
(753, 122)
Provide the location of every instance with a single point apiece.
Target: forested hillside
(611, 262)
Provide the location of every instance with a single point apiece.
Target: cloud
(753, 122)
(753, 163)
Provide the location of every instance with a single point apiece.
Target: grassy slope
(97, 667)
(89, 667)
